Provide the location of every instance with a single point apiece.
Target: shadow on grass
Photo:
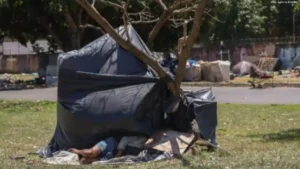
(286, 135)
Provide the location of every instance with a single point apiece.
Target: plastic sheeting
(203, 104)
(104, 91)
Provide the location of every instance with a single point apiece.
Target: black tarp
(105, 91)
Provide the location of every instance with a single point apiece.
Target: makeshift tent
(105, 91)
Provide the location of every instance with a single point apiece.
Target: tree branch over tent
(142, 17)
(125, 19)
(162, 4)
(185, 10)
(112, 4)
(174, 86)
(190, 40)
(126, 45)
(164, 17)
(176, 23)
(178, 7)
(92, 27)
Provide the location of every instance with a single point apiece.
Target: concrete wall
(19, 64)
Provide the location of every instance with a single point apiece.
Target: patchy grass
(258, 136)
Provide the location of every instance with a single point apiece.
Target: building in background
(17, 58)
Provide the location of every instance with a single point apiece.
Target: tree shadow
(285, 135)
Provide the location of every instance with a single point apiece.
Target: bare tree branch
(144, 21)
(144, 12)
(145, 58)
(115, 5)
(70, 20)
(178, 7)
(198, 19)
(142, 17)
(214, 18)
(163, 18)
(125, 19)
(161, 4)
(92, 27)
(93, 3)
(179, 3)
(185, 10)
(176, 23)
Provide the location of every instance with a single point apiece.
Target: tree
(63, 23)
(68, 27)
(199, 10)
(235, 19)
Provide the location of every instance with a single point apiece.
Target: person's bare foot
(120, 153)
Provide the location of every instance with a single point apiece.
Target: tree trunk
(53, 34)
(73, 32)
(72, 40)
(191, 39)
(154, 32)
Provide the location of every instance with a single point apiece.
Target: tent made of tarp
(105, 91)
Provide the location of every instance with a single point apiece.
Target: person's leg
(93, 152)
(102, 147)
(110, 145)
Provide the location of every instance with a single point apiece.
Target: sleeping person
(107, 149)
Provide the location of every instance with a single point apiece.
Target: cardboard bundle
(193, 73)
(216, 71)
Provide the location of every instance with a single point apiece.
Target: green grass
(258, 136)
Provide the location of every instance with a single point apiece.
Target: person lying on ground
(105, 149)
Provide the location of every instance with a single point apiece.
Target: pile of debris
(265, 65)
(17, 81)
(195, 71)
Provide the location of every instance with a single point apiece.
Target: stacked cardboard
(216, 71)
(193, 73)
